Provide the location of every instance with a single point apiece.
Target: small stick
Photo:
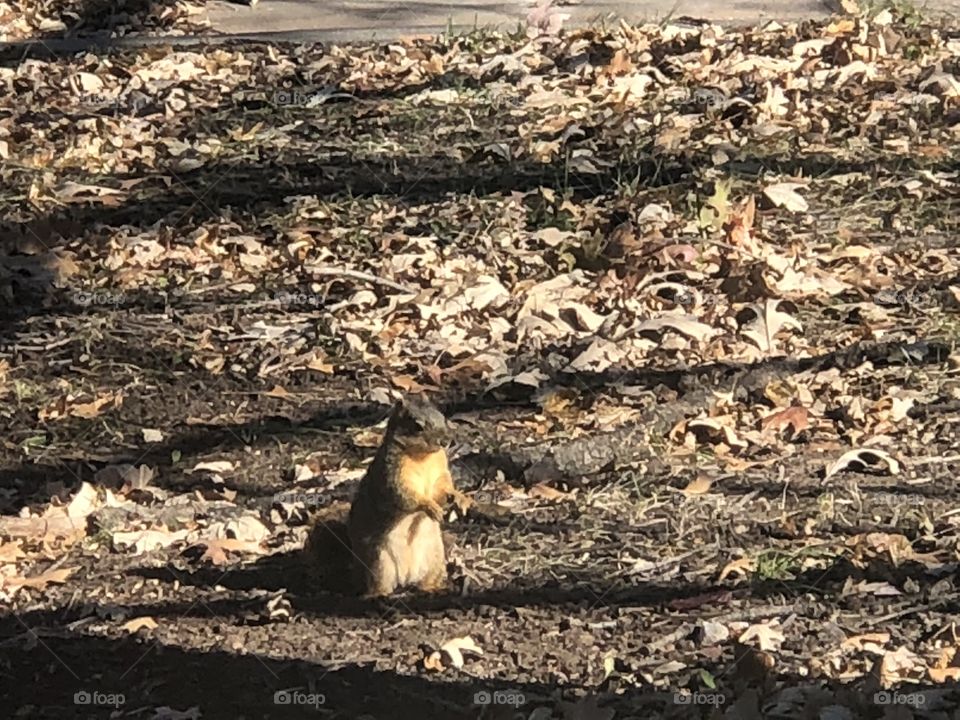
(358, 275)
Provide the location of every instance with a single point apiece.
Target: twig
(358, 275)
(911, 610)
(728, 246)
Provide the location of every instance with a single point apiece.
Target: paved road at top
(365, 19)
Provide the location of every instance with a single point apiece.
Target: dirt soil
(691, 298)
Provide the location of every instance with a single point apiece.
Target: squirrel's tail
(327, 552)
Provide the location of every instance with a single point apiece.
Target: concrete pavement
(337, 21)
(365, 19)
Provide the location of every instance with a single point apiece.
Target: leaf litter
(668, 280)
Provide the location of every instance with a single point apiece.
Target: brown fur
(394, 523)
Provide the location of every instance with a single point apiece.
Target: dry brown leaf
(93, 408)
(217, 466)
(319, 364)
(451, 653)
(58, 575)
(698, 486)
(47, 528)
(795, 417)
(879, 588)
(216, 549)
(898, 666)
(871, 642)
(10, 552)
(74, 192)
(84, 502)
(896, 546)
(742, 566)
(599, 356)
(684, 324)
(434, 662)
(545, 492)
(739, 224)
(862, 459)
(717, 431)
(947, 666)
(277, 392)
(143, 541)
(843, 26)
(768, 321)
(407, 384)
(131, 626)
(245, 527)
(620, 63)
(765, 635)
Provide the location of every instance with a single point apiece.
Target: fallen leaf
(152, 436)
(947, 666)
(246, 528)
(767, 636)
(74, 192)
(47, 528)
(742, 566)
(216, 466)
(131, 626)
(143, 541)
(795, 417)
(59, 575)
(407, 383)
(452, 653)
(546, 492)
(84, 502)
(92, 409)
(768, 321)
(684, 324)
(785, 195)
(716, 432)
(216, 549)
(871, 642)
(277, 392)
(434, 662)
(862, 460)
(10, 552)
(899, 666)
(698, 486)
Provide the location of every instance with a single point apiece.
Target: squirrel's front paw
(433, 509)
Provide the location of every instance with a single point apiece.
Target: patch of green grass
(905, 10)
(25, 390)
(776, 565)
(782, 565)
(34, 441)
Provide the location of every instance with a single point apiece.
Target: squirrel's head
(418, 425)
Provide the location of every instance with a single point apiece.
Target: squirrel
(394, 520)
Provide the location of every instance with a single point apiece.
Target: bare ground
(179, 293)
